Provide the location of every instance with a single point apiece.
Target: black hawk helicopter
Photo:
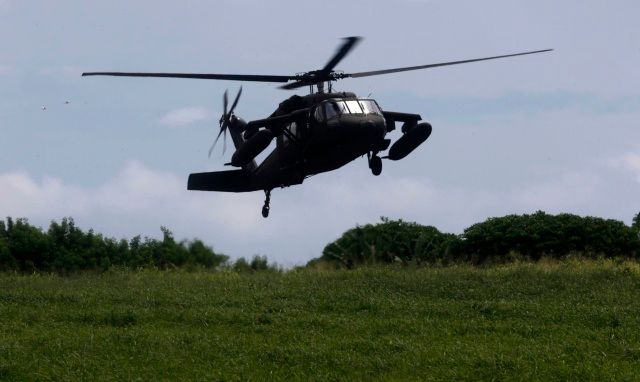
(315, 133)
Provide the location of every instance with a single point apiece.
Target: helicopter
(315, 133)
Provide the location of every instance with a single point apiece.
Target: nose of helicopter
(364, 130)
(374, 129)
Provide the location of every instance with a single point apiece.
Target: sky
(557, 132)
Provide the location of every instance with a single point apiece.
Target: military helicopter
(315, 133)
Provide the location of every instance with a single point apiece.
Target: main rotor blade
(349, 43)
(405, 69)
(294, 85)
(204, 76)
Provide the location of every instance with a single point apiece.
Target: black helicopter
(319, 132)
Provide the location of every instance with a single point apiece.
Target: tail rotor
(225, 119)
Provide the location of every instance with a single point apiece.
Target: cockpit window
(369, 106)
(331, 109)
(334, 108)
(354, 107)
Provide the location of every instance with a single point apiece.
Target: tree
(64, 247)
(387, 242)
(7, 262)
(541, 234)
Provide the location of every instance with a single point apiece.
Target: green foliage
(541, 234)
(636, 223)
(66, 248)
(387, 242)
(257, 263)
(496, 239)
(7, 262)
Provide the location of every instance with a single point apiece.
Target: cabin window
(293, 128)
(317, 114)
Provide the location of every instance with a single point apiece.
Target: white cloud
(185, 116)
(138, 199)
(22, 196)
(629, 162)
(632, 161)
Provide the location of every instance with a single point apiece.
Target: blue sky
(557, 132)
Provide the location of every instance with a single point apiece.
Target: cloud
(629, 162)
(632, 161)
(135, 190)
(185, 116)
(22, 196)
(138, 199)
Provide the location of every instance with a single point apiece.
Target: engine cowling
(251, 148)
(249, 133)
(413, 138)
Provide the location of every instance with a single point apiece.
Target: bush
(66, 248)
(541, 234)
(257, 263)
(528, 237)
(7, 262)
(387, 242)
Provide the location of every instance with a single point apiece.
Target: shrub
(387, 242)
(257, 263)
(66, 248)
(541, 234)
(496, 239)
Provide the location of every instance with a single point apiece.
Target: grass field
(572, 320)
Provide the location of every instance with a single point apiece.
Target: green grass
(548, 321)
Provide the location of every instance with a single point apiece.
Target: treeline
(66, 248)
(526, 237)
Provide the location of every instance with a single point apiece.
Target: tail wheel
(375, 164)
(267, 202)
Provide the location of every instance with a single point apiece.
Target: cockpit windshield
(369, 106)
(360, 106)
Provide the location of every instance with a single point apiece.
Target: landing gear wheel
(375, 164)
(267, 201)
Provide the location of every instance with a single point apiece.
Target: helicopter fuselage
(316, 133)
(331, 135)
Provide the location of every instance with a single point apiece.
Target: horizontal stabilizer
(225, 181)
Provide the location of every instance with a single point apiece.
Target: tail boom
(224, 181)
